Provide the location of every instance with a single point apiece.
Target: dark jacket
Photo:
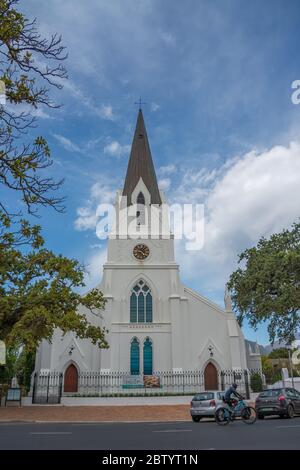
(231, 391)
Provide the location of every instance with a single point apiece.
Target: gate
(47, 388)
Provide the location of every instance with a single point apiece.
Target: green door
(148, 357)
(135, 357)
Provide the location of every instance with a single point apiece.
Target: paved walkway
(132, 413)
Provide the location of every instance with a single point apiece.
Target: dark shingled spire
(140, 164)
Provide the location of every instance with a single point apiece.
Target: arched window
(140, 214)
(141, 304)
(148, 367)
(140, 199)
(135, 357)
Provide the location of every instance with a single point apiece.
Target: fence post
(247, 384)
(222, 380)
(34, 387)
(48, 385)
(60, 387)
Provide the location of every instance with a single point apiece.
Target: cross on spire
(140, 102)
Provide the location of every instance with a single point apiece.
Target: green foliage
(256, 383)
(267, 366)
(37, 293)
(279, 353)
(276, 377)
(267, 288)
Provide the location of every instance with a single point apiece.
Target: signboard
(133, 381)
(13, 394)
(151, 381)
(2, 353)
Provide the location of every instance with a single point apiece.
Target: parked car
(284, 402)
(204, 404)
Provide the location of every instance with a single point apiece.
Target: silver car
(204, 404)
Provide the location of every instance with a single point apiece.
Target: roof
(140, 164)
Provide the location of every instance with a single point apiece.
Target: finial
(227, 300)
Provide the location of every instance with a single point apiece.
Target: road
(271, 433)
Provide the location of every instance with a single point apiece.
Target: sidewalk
(54, 413)
(103, 413)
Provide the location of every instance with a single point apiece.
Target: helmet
(234, 385)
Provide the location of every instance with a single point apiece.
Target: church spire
(141, 164)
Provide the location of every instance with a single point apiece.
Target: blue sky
(216, 77)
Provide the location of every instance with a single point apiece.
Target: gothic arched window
(135, 357)
(140, 214)
(148, 357)
(141, 304)
(140, 199)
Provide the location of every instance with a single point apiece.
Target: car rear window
(203, 396)
(221, 395)
(269, 393)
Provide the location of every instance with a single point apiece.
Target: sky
(216, 78)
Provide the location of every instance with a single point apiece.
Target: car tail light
(212, 403)
(191, 403)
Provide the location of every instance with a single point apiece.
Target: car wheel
(261, 417)
(290, 412)
(196, 419)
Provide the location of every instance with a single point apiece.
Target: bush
(276, 377)
(256, 383)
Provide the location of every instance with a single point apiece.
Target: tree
(36, 286)
(23, 53)
(267, 288)
(279, 353)
(256, 382)
(267, 366)
(37, 294)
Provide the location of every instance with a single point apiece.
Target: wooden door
(71, 379)
(210, 377)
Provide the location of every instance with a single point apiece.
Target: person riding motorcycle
(228, 395)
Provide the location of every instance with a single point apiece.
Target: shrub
(256, 383)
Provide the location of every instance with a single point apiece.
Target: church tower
(140, 277)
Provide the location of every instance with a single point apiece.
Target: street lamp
(289, 347)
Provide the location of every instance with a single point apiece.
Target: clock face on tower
(141, 251)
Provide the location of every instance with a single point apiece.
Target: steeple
(141, 164)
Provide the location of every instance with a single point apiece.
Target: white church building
(154, 322)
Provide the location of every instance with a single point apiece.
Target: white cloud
(102, 192)
(154, 107)
(106, 112)
(93, 268)
(116, 149)
(254, 195)
(67, 143)
(167, 170)
(164, 184)
(40, 113)
(168, 38)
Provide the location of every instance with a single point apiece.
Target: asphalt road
(271, 433)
